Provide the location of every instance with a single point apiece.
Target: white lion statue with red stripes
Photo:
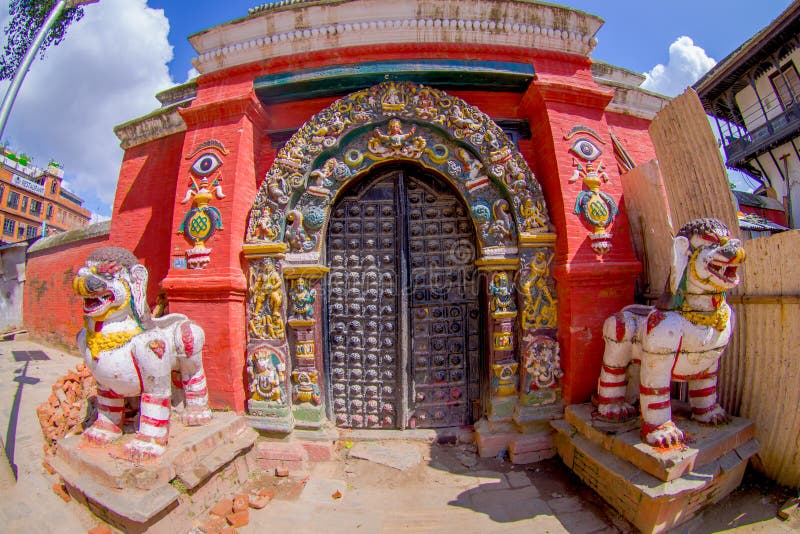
(133, 355)
(681, 339)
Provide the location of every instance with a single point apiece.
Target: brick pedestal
(655, 489)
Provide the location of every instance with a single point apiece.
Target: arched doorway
(439, 147)
(402, 304)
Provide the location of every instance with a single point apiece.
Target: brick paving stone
(565, 505)
(510, 505)
(518, 479)
(582, 521)
(402, 456)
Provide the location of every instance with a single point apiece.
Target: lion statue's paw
(143, 448)
(102, 432)
(665, 435)
(616, 412)
(715, 416)
(195, 416)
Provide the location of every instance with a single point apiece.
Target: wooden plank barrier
(760, 371)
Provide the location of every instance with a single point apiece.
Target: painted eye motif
(586, 149)
(206, 164)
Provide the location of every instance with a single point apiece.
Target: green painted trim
(442, 74)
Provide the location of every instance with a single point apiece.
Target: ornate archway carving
(395, 121)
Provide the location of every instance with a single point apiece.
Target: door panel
(402, 247)
(363, 308)
(443, 307)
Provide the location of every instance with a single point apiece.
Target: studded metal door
(402, 306)
(443, 306)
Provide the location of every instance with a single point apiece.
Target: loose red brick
(222, 508)
(48, 467)
(61, 490)
(100, 529)
(239, 519)
(259, 500)
(213, 524)
(240, 502)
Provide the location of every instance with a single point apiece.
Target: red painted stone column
(214, 296)
(590, 286)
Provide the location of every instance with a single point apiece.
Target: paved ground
(450, 490)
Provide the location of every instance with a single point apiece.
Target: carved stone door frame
(393, 122)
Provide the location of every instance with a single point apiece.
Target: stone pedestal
(269, 416)
(655, 489)
(201, 465)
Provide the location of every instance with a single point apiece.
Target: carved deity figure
(502, 295)
(302, 297)
(266, 288)
(396, 142)
(305, 387)
(267, 374)
(296, 235)
(542, 363)
(681, 340)
(501, 228)
(539, 309)
(131, 354)
(532, 212)
(425, 106)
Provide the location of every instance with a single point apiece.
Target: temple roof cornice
(314, 26)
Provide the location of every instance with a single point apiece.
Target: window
(49, 211)
(13, 200)
(20, 231)
(8, 227)
(36, 207)
(24, 203)
(31, 232)
(2, 188)
(53, 187)
(786, 84)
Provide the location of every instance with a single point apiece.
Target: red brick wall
(143, 206)
(634, 137)
(50, 309)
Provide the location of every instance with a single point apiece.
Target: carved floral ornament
(398, 121)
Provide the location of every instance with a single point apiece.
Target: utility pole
(19, 76)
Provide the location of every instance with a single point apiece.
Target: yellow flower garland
(98, 342)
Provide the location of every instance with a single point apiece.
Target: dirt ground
(452, 490)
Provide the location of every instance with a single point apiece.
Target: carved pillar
(304, 281)
(540, 364)
(500, 274)
(268, 362)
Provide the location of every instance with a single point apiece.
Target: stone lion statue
(133, 355)
(681, 339)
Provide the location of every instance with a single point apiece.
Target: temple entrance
(403, 319)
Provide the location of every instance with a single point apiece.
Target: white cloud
(192, 73)
(105, 72)
(687, 63)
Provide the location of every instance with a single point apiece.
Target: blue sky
(113, 62)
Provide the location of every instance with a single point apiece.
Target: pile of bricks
(64, 409)
(229, 514)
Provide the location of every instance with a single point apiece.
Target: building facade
(33, 202)
(392, 214)
(754, 97)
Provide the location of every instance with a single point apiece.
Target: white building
(754, 96)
